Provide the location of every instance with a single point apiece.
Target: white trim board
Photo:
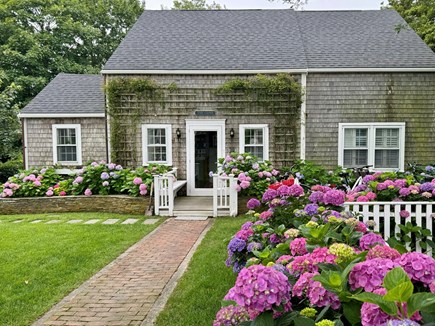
(193, 125)
(262, 71)
(61, 115)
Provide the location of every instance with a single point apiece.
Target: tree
(195, 5)
(420, 15)
(40, 38)
(294, 4)
(9, 124)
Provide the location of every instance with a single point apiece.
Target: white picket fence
(386, 216)
(164, 193)
(224, 195)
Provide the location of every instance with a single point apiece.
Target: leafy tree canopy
(294, 4)
(195, 5)
(9, 124)
(420, 15)
(40, 38)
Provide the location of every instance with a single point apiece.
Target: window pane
(66, 136)
(355, 138)
(156, 136)
(387, 158)
(355, 157)
(254, 136)
(387, 138)
(256, 151)
(156, 153)
(67, 153)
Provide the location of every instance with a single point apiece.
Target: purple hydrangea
(401, 322)
(400, 183)
(302, 264)
(370, 274)
(311, 209)
(274, 238)
(137, 181)
(269, 194)
(253, 203)
(368, 178)
(231, 316)
(372, 314)
(316, 293)
(429, 168)
(334, 197)
(254, 246)
(296, 191)
(404, 192)
(369, 240)
(418, 266)
(236, 244)
(283, 190)
(316, 197)
(105, 176)
(427, 186)
(298, 247)
(259, 288)
(247, 225)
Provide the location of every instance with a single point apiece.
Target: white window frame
(78, 145)
(265, 129)
(371, 138)
(168, 136)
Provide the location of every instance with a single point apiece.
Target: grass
(41, 263)
(200, 291)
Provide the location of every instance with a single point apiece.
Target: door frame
(193, 125)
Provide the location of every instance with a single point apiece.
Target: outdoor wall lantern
(178, 133)
(232, 133)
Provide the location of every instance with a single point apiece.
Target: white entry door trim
(193, 125)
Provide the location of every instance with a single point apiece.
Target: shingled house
(369, 94)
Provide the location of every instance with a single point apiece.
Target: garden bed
(108, 204)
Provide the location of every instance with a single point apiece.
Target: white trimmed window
(254, 139)
(379, 144)
(67, 147)
(157, 144)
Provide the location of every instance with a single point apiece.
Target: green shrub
(9, 168)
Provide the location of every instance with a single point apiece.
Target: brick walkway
(125, 291)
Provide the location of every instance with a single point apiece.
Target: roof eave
(61, 115)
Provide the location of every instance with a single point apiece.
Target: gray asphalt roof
(268, 39)
(69, 94)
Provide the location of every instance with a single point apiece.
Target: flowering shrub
(93, 179)
(391, 186)
(253, 176)
(331, 262)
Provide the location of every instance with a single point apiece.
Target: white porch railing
(224, 195)
(164, 192)
(386, 216)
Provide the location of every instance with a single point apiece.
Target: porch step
(183, 213)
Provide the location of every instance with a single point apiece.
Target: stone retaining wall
(107, 204)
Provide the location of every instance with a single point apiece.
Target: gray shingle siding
(40, 140)
(392, 97)
(69, 94)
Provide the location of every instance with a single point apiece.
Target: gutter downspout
(303, 115)
(24, 140)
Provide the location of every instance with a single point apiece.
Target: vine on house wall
(127, 98)
(281, 95)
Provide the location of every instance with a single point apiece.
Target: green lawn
(41, 263)
(199, 293)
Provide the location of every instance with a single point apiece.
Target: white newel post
(233, 196)
(215, 195)
(170, 183)
(157, 194)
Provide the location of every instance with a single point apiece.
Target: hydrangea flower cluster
(259, 288)
(418, 266)
(370, 274)
(370, 240)
(371, 314)
(316, 293)
(231, 316)
(381, 251)
(298, 246)
(236, 244)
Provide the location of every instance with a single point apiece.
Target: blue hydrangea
(254, 246)
(311, 209)
(236, 244)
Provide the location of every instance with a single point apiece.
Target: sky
(265, 4)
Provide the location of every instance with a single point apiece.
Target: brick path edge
(45, 317)
(161, 301)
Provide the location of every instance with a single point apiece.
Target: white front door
(205, 143)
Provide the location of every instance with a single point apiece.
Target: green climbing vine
(264, 86)
(127, 98)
